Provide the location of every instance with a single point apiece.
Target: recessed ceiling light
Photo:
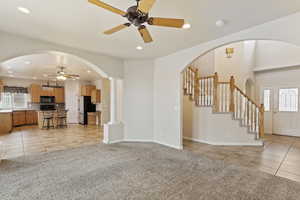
(24, 10)
(88, 71)
(139, 48)
(220, 23)
(27, 62)
(186, 26)
(10, 72)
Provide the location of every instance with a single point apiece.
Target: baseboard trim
(112, 142)
(169, 145)
(256, 143)
(144, 141)
(135, 140)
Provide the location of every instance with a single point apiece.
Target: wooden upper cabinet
(86, 90)
(48, 92)
(1, 88)
(96, 96)
(35, 92)
(59, 94)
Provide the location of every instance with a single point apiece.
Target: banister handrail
(224, 96)
(246, 96)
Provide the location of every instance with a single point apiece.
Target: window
(14, 101)
(288, 100)
(267, 103)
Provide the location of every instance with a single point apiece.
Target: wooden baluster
(261, 121)
(207, 95)
(216, 99)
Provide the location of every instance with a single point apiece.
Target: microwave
(47, 99)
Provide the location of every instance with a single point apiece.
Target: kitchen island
(6, 121)
(54, 113)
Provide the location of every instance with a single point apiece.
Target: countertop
(5, 111)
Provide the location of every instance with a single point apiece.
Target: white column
(113, 131)
(113, 101)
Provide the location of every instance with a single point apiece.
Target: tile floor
(280, 156)
(29, 140)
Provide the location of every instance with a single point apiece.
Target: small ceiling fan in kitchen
(138, 16)
(61, 74)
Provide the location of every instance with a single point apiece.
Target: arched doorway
(38, 69)
(257, 59)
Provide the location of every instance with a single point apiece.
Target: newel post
(261, 121)
(216, 97)
(232, 87)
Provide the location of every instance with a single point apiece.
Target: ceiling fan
(138, 15)
(61, 75)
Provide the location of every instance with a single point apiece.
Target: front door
(286, 118)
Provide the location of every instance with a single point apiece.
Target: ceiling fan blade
(145, 34)
(146, 5)
(107, 7)
(71, 76)
(168, 22)
(117, 28)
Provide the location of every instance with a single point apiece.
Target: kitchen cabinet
(35, 92)
(19, 118)
(59, 94)
(6, 122)
(96, 96)
(92, 118)
(48, 92)
(86, 90)
(31, 117)
(1, 88)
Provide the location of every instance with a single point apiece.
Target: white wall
(276, 54)
(14, 45)
(218, 129)
(206, 64)
(19, 82)
(167, 79)
(138, 100)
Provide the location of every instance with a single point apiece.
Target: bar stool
(62, 119)
(48, 120)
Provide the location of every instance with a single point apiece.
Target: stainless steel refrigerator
(85, 106)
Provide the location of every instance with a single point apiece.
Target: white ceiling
(79, 24)
(37, 65)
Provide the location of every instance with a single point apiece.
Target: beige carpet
(135, 171)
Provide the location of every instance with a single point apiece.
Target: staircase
(224, 97)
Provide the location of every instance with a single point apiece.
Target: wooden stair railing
(224, 97)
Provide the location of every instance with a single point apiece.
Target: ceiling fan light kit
(138, 16)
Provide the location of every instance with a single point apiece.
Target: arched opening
(267, 73)
(252, 63)
(31, 93)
